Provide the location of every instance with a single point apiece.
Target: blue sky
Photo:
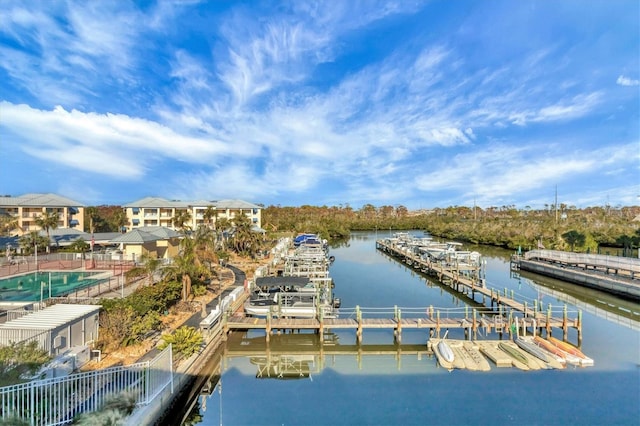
(421, 104)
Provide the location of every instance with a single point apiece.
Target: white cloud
(110, 144)
(273, 103)
(626, 81)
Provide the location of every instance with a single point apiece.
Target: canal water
(294, 380)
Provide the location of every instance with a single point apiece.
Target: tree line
(558, 227)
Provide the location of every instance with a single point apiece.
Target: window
(136, 221)
(58, 342)
(135, 210)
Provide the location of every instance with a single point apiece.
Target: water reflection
(603, 305)
(297, 379)
(301, 355)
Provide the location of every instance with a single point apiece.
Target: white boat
(445, 351)
(534, 350)
(290, 305)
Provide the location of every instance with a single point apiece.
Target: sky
(421, 104)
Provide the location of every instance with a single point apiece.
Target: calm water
(29, 287)
(383, 384)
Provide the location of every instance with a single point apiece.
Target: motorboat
(291, 297)
(290, 305)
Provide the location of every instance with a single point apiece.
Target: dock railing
(596, 260)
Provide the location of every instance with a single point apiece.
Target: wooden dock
(453, 277)
(432, 325)
(497, 312)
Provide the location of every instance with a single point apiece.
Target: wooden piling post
(509, 324)
(579, 327)
(475, 325)
(225, 332)
(549, 320)
(268, 328)
(565, 330)
(398, 332)
(359, 320)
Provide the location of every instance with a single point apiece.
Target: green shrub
(186, 341)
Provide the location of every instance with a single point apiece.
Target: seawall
(624, 287)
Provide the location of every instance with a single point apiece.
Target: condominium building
(26, 209)
(156, 211)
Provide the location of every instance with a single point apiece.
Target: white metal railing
(57, 401)
(9, 336)
(600, 260)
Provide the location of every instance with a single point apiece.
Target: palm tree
(209, 214)
(79, 246)
(204, 240)
(48, 221)
(150, 265)
(185, 266)
(8, 224)
(222, 225)
(93, 214)
(31, 240)
(119, 220)
(181, 220)
(245, 241)
(574, 237)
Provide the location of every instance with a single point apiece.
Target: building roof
(235, 204)
(158, 202)
(136, 237)
(38, 200)
(160, 231)
(52, 317)
(63, 236)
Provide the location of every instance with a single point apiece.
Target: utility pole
(556, 204)
(475, 217)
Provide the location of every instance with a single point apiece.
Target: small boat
(553, 360)
(445, 351)
(514, 353)
(532, 349)
(569, 348)
(474, 352)
(553, 349)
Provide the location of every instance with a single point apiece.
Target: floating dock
(611, 274)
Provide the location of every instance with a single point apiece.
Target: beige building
(152, 241)
(25, 209)
(155, 211)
